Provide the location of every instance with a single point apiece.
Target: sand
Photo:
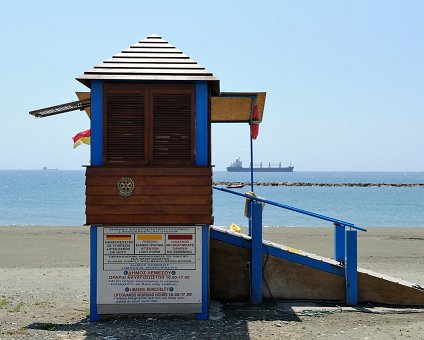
(44, 292)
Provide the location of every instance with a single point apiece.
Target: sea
(56, 198)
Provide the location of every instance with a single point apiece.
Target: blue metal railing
(345, 245)
(288, 207)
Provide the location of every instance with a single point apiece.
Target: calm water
(57, 198)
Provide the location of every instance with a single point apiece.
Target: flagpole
(251, 172)
(251, 148)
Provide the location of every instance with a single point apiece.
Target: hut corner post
(96, 122)
(96, 160)
(94, 316)
(202, 159)
(204, 314)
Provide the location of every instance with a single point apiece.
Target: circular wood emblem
(125, 186)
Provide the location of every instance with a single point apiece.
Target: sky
(344, 79)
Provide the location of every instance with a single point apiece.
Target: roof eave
(212, 81)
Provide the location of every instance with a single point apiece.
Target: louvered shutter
(172, 128)
(125, 128)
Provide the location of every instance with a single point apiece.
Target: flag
(254, 127)
(82, 138)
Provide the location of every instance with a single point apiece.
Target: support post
(204, 315)
(256, 272)
(249, 217)
(339, 242)
(94, 316)
(351, 268)
(96, 122)
(202, 124)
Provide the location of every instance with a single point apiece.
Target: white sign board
(149, 265)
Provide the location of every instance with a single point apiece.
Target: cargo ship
(237, 166)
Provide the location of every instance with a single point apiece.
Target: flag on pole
(254, 127)
(82, 138)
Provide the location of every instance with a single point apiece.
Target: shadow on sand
(230, 321)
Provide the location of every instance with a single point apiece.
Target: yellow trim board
(236, 107)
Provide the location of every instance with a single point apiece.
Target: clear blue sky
(344, 79)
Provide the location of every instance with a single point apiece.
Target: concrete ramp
(290, 273)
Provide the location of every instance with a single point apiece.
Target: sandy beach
(44, 292)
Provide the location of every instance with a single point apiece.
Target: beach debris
(418, 286)
(235, 228)
(215, 311)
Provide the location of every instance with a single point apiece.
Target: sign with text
(149, 265)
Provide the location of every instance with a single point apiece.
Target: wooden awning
(236, 107)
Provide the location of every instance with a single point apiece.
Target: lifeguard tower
(149, 199)
(149, 185)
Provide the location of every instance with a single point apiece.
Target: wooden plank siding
(161, 196)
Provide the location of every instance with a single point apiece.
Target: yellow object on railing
(235, 228)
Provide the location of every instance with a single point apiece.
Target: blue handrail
(288, 207)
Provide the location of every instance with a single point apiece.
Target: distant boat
(46, 168)
(237, 166)
(235, 186)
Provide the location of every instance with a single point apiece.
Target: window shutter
(125, 128)
(172, 128)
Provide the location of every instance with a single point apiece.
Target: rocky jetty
(303, 184)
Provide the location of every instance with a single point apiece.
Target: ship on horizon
(237, 166)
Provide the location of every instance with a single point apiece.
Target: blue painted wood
(339, 242)
(279, 253)
(351, 268)
(96, 160)
(230, 239)
(96, 123)
(201, 125)
(94, 316)
(202, 159)
(303, 260)
(204, 315)
(256, 254)
(249, 218)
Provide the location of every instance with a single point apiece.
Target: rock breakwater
(302, 184)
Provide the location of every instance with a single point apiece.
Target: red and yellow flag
(82, 138)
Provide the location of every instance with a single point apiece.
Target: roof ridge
(153, 36)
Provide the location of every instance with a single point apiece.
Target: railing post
(339, 242)
(249, 217)
(256, 251)
(351, 268)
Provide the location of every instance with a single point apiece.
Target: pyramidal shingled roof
(151, 59)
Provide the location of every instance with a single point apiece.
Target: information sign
(149, 265)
